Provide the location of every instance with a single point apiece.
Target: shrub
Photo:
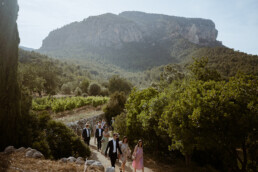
(94, 89)
(104, 92)
(78, 91)
(66, 89)
(119, 84)
(115, 106)
(120, 124)
(84, 85)
(63, 142)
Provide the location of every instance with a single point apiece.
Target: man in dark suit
(86, 132)
(113, 147)
(99, 135)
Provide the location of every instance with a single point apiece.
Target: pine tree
(9, 90)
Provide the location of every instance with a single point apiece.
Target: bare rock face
(110, 30)
(150, 39)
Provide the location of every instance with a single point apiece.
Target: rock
(30, 153)
(110, 169)
(98, 165)
(79, 160)
(9, 150)
(64, 160)
(93, 166)
(71, 159)
(21, 149)
(89, 162)
(37, 155)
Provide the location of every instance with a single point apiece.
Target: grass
(78, 116)
(18, 162)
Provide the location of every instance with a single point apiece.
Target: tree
(115, 105)
(201, 71)
(84, 85)
(94, 89)
(119, 84)
(10, 96)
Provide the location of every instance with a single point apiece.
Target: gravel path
(106, 162)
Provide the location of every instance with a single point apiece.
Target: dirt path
(106, 162)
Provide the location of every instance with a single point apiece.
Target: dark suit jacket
(111, 147)
(97, 133)
(84, 133)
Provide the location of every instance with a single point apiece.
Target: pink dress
(138, 162)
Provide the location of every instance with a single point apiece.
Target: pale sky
(235, 20)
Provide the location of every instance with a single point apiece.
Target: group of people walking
(114, 148)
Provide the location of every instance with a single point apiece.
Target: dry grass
(77, 114)
(18, 162)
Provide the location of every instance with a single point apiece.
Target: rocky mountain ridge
(152, 39)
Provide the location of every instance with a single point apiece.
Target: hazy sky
(236, 20)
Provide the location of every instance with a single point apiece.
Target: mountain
(134, 41)
(26, 48)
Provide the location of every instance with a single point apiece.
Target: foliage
(199, 114)
(78, 92)
(115, 105)
(52, 138)
(120, 124)
(94, 89)
(63, 142)
(67, 103)
(201, 71)
(66, 89)
(84, 85)
(119, 84)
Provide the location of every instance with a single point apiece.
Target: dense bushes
(68, 103)
(211, 120)
(63, 142)
(115, 106)
(52, 138)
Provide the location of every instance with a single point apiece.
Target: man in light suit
(113, 147)
(86, 133)
(99, 135)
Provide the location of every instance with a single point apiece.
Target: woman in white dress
(125, 151)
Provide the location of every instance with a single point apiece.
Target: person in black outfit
(99, 135)
(86, 132)
(113, 146)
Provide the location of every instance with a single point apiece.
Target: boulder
(110, 169)
(21, 149)
(37, 155)
(9, 150)
(71, 159)
(29, 153)
(64, 160)
(89, 162)
(79, 160)
(93, 166)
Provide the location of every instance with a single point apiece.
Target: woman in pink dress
(138, 154)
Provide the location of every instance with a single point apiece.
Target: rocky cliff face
(122, 39)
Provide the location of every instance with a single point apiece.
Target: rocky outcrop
(131, 40)
(110, 30)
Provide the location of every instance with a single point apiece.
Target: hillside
(131, 40)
